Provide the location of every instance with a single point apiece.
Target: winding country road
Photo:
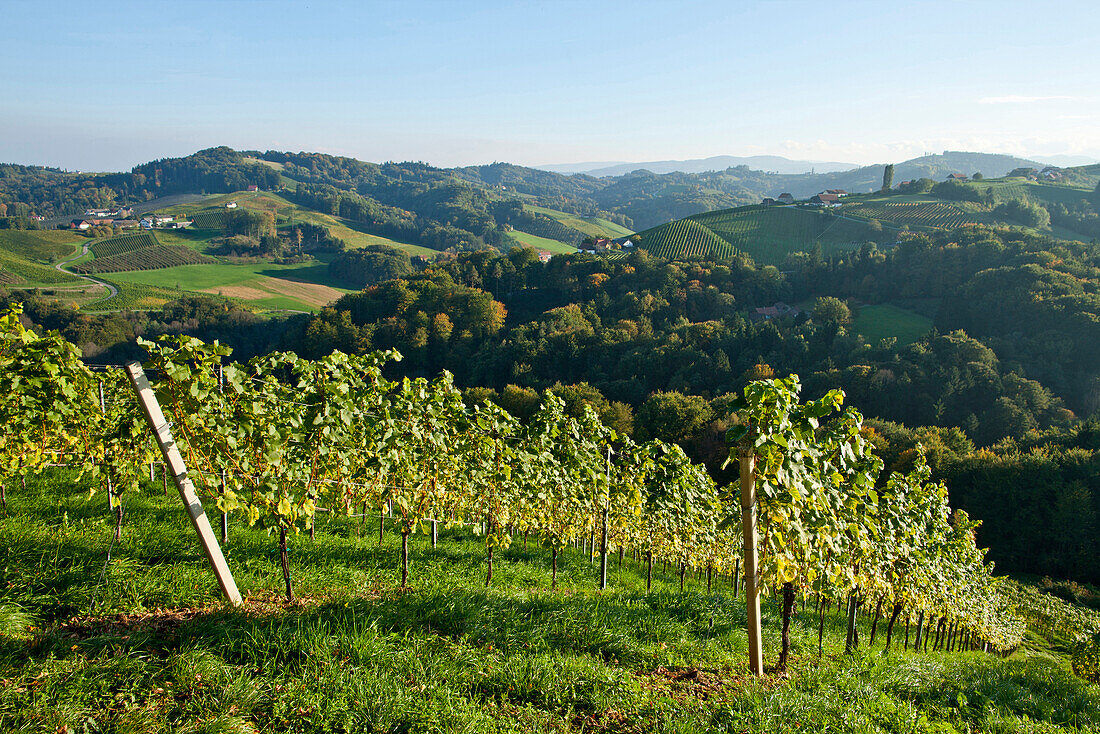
(105, 284)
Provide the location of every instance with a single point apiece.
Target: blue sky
(104, 86)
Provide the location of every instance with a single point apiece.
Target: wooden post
(151, 408)
(603, 534)
(225, 515)
(752, 588)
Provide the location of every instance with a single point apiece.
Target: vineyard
(767, 235)
(31, 272)
(685, 238)
(914, 213)
(147, 258)
(544, 226)
(208, 219)
(123, 243)
(39, 244)
(304, 461)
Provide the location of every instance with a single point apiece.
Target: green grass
(592, 226)
(542, 243)
(263, 285)
(886, 320)
(137, 640)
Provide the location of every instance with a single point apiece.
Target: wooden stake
(153, 413)
(752, 588)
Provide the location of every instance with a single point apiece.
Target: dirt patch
(244, 292)
(314, 294)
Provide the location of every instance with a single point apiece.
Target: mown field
(542, 243)
(132, 637)
(301, 287)
(592, 226)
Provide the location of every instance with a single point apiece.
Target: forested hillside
(450, 207)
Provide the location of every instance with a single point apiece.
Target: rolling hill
(767, 235)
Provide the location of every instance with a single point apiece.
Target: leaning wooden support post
(174, 461)
(752, 587)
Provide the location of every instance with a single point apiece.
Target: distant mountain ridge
(769, 163)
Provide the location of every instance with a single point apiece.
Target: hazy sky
(104, 86)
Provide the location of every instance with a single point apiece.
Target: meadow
(132, 637)
(592, 226)
(299, 287)
(542, 243)
(886, 320)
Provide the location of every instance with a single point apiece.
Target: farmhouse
(957, 177)
(778, 310)
(838, 192)
(768, 201)
(89, 223)
(124, 223)
(253, 187)
(181, 224)
(231, 205)
(786, 199)
(825, 199)
(163, 220)
(544, 256)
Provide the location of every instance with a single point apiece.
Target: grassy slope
(542, 243)
(447, 655)
(594, 226)
(886, 320)
(287, 212)
(303, 287)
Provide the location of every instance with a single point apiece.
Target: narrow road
(105, 284)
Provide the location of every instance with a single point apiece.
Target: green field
(542, 243)
(592, 226)
(886, 320)
(132, 637)
(301, 287)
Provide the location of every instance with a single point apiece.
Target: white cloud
(1024, 99)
